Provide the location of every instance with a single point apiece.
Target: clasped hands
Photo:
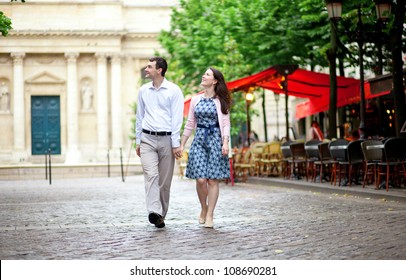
(177, 152)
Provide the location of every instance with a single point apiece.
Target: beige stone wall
(58, 37)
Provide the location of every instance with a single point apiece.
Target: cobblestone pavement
(104, 218)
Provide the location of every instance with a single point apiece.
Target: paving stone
(105, 218)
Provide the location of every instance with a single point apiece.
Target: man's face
(151, 71)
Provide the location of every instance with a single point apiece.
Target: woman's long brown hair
(221, 91)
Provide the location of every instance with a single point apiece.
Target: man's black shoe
(156, 219)
(160, 223)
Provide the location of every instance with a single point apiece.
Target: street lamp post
(276, 95)
(383, 8)
(334, 8)
(249, 97)
(285, 70)
(285, 85)
(360, 42)
(264, 115)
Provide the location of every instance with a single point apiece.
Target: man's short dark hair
(160, 63)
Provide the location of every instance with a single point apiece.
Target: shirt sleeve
(191, 120)
(177, 116)
(139, 117)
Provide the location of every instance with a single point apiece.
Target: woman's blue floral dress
(205, 158)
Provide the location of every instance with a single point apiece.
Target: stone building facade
(69, 72)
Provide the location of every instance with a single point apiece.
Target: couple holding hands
(158, 123)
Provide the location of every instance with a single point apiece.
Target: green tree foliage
(5, 22)
(242, 37)
(372, 32)
(260, 32)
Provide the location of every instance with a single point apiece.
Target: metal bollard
(122, 168)
(49, 165)
(46, 165)
(108, 163)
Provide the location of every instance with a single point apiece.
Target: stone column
(72, 104)
(116, 103)
(19, 153)
(102, 105)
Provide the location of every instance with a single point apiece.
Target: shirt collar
(163, 85)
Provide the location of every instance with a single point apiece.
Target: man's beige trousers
(158, 164)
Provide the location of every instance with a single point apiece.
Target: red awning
(186, 106)
(301, 83)
(314, 106)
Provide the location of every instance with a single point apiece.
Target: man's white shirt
(160, 110)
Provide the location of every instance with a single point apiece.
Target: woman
(208, 155)
(315, 132)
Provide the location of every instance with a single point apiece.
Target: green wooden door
(45, 125)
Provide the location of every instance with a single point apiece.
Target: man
(159, 119)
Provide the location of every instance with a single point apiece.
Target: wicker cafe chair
(372, 157)
(182, 163)
(242, 165)
(312, 155)
(286, 156)
(257, 153)
(271, 160)
(324, 164)
(353, 164)
(338, 154)
(394, 164)
(297, 163)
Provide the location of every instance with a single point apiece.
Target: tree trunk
(398, 87)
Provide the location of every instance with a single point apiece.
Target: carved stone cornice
(135, 35)
(81, 33)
